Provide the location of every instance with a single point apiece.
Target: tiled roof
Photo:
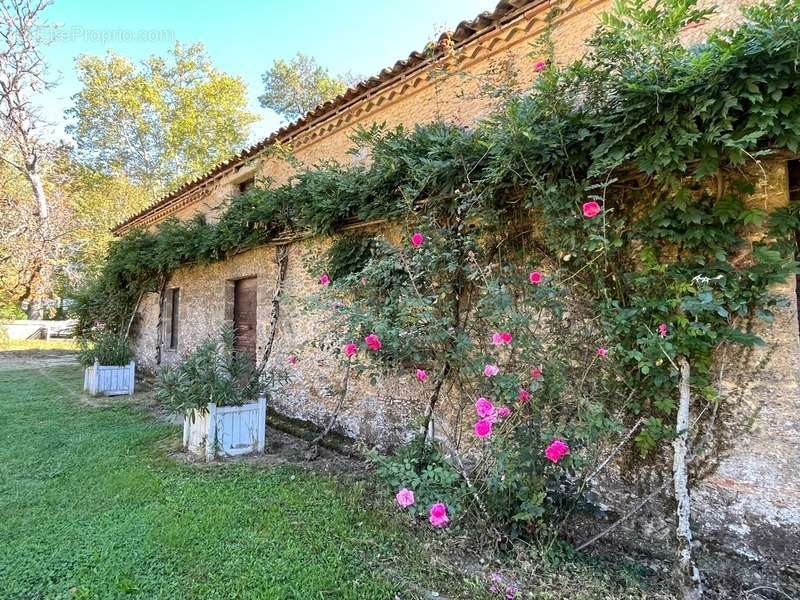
(464, 32)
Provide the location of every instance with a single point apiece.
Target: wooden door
(244, 315)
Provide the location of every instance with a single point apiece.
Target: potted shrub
(109, 365)
(221, 396)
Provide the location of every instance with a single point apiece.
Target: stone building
(750, 507)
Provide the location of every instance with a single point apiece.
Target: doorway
(244, 316)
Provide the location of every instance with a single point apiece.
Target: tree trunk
(160, 323)
(35, 179)
(687, 573)
(281, 264)
(426, 429)
(35, 310)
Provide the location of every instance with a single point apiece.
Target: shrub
(428, 473)
(105, 347)
(214, 372)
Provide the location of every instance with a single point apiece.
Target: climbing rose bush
(526, 377)
(561, 183)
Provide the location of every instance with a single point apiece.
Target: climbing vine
(606, 224)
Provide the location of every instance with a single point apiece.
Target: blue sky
(243, 37)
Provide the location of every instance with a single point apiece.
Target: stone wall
(748, 507)
(374, 414)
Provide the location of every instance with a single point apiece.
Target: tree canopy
(160, 123)
(298, 86)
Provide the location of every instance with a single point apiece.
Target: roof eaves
(464, 32)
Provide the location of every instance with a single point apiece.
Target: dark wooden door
(244, 315)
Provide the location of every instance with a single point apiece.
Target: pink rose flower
(422, 375)
(502, 337)
(417, 239)
(540, 66)
(292, 359)
(556, 451)
(324, 279)
(524, 395)
(490, 370)
(483, 428)
(535, 277)
(438, 515)
(536, 373)
(503, 412)
(662, 330)
(484, 408)
(350, 349)
(601, 352)
(591, 209)
(373, 342)
(405, 497)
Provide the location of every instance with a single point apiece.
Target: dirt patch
(285, 449)
(282, 448)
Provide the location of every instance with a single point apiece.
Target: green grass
(37, 345)
(91, 508)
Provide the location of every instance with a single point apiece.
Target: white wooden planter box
(109, 380)
(226, 430)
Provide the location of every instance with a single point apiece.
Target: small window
(246, 185)
(175, 299)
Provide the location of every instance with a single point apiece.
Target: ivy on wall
(658, 142)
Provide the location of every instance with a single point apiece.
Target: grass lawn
(92, 506)
(38, 346)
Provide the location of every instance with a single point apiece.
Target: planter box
(226, 430)
(109, 380)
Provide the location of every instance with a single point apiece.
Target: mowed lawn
(91, 506)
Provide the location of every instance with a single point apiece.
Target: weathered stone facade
(749, 507)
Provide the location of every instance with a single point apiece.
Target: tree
(296, 87)
(98, 202)
(160, 123)
(22, 76)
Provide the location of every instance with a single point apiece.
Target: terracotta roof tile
(464, 31)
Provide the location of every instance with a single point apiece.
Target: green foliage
(104, 347)
(11, 312)
(663, 137)
(349, 255)
(427, 472)
(298, 86)
(160, 123)
(297, 533)
(98, 200)
(213, 372)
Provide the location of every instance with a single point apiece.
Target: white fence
(226, 430)
(109, 380)
(38, 330)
